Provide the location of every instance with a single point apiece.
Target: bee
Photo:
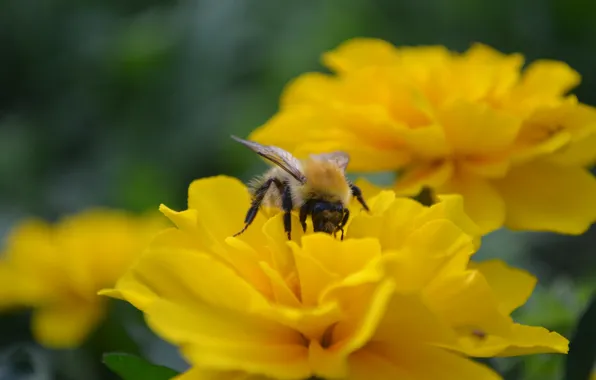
(316, 186)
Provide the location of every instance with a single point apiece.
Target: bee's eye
(319, 207)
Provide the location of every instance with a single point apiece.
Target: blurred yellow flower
(396, 299)
(58, 269)
(512, 143)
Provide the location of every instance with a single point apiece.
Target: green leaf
(582, 349)
(131, 367)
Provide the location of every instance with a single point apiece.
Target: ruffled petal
(547, 78)
(352, 334)
(512, 287)
(380, 361)
(541, 196)
(358, 53)
(437, 247)
(415, 178)
(218, 339)
(481, 201)
(519, 340)
(477, 129)
(466, 301)
(197, 373)
(221, 204)
(186, 277)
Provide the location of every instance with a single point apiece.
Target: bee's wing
(278, 156)
(341, 159)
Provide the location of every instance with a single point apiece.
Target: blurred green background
(124, 103)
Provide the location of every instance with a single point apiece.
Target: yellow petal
(66, 326)
(196, 373)
(477, 129)
(512, 287)
(546, 197)
(407, 318)
(282, 257)
(547, 79)
(364, 158)
(284, 295)
(214, 338)
(481, 201)
(341, 258)
(358, 53)
(413, 361)
(451, 207)
(527, 340)
(432, 175)
(314, 277)
(487, 73)
(428, 142)
(467, 300)
(436, 246)
(519, 340)
(579, 153)
(495, 166)
(350, 335)
(187, 277)
(310, 88)
(221, 204)
(390, 220)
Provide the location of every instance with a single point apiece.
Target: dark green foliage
(130, 367)
(582, 350)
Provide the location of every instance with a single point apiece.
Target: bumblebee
(316, 186)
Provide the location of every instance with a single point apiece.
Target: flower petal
(310, 88)
(358, 53)
(407, 318)
(526, 340)
(466, 300)
(221, 204)
(437, 246)
(547, 79)
(352, 334)
(451, 207)
(545, 197)
(519, 340)
(481, 201)
(415, 178)
(391, 220)
(512, 287)
(414, 362)
(477, 129)
(187, 277)
(197, 373)
(215, 338)
(66, 326)
(354, 253)
(578, 153)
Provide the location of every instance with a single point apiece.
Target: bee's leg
(256, 203)
(344, 220)
(304, 211)
(357, 193)
(286, 205)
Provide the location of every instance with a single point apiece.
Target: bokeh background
(123, 103)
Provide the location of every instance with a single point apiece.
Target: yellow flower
(395, 299)
(512, 143)
(58, 269)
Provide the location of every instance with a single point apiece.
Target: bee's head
(327, 216)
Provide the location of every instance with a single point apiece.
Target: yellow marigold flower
(511, 142)
(58, 269)
(396, 299)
